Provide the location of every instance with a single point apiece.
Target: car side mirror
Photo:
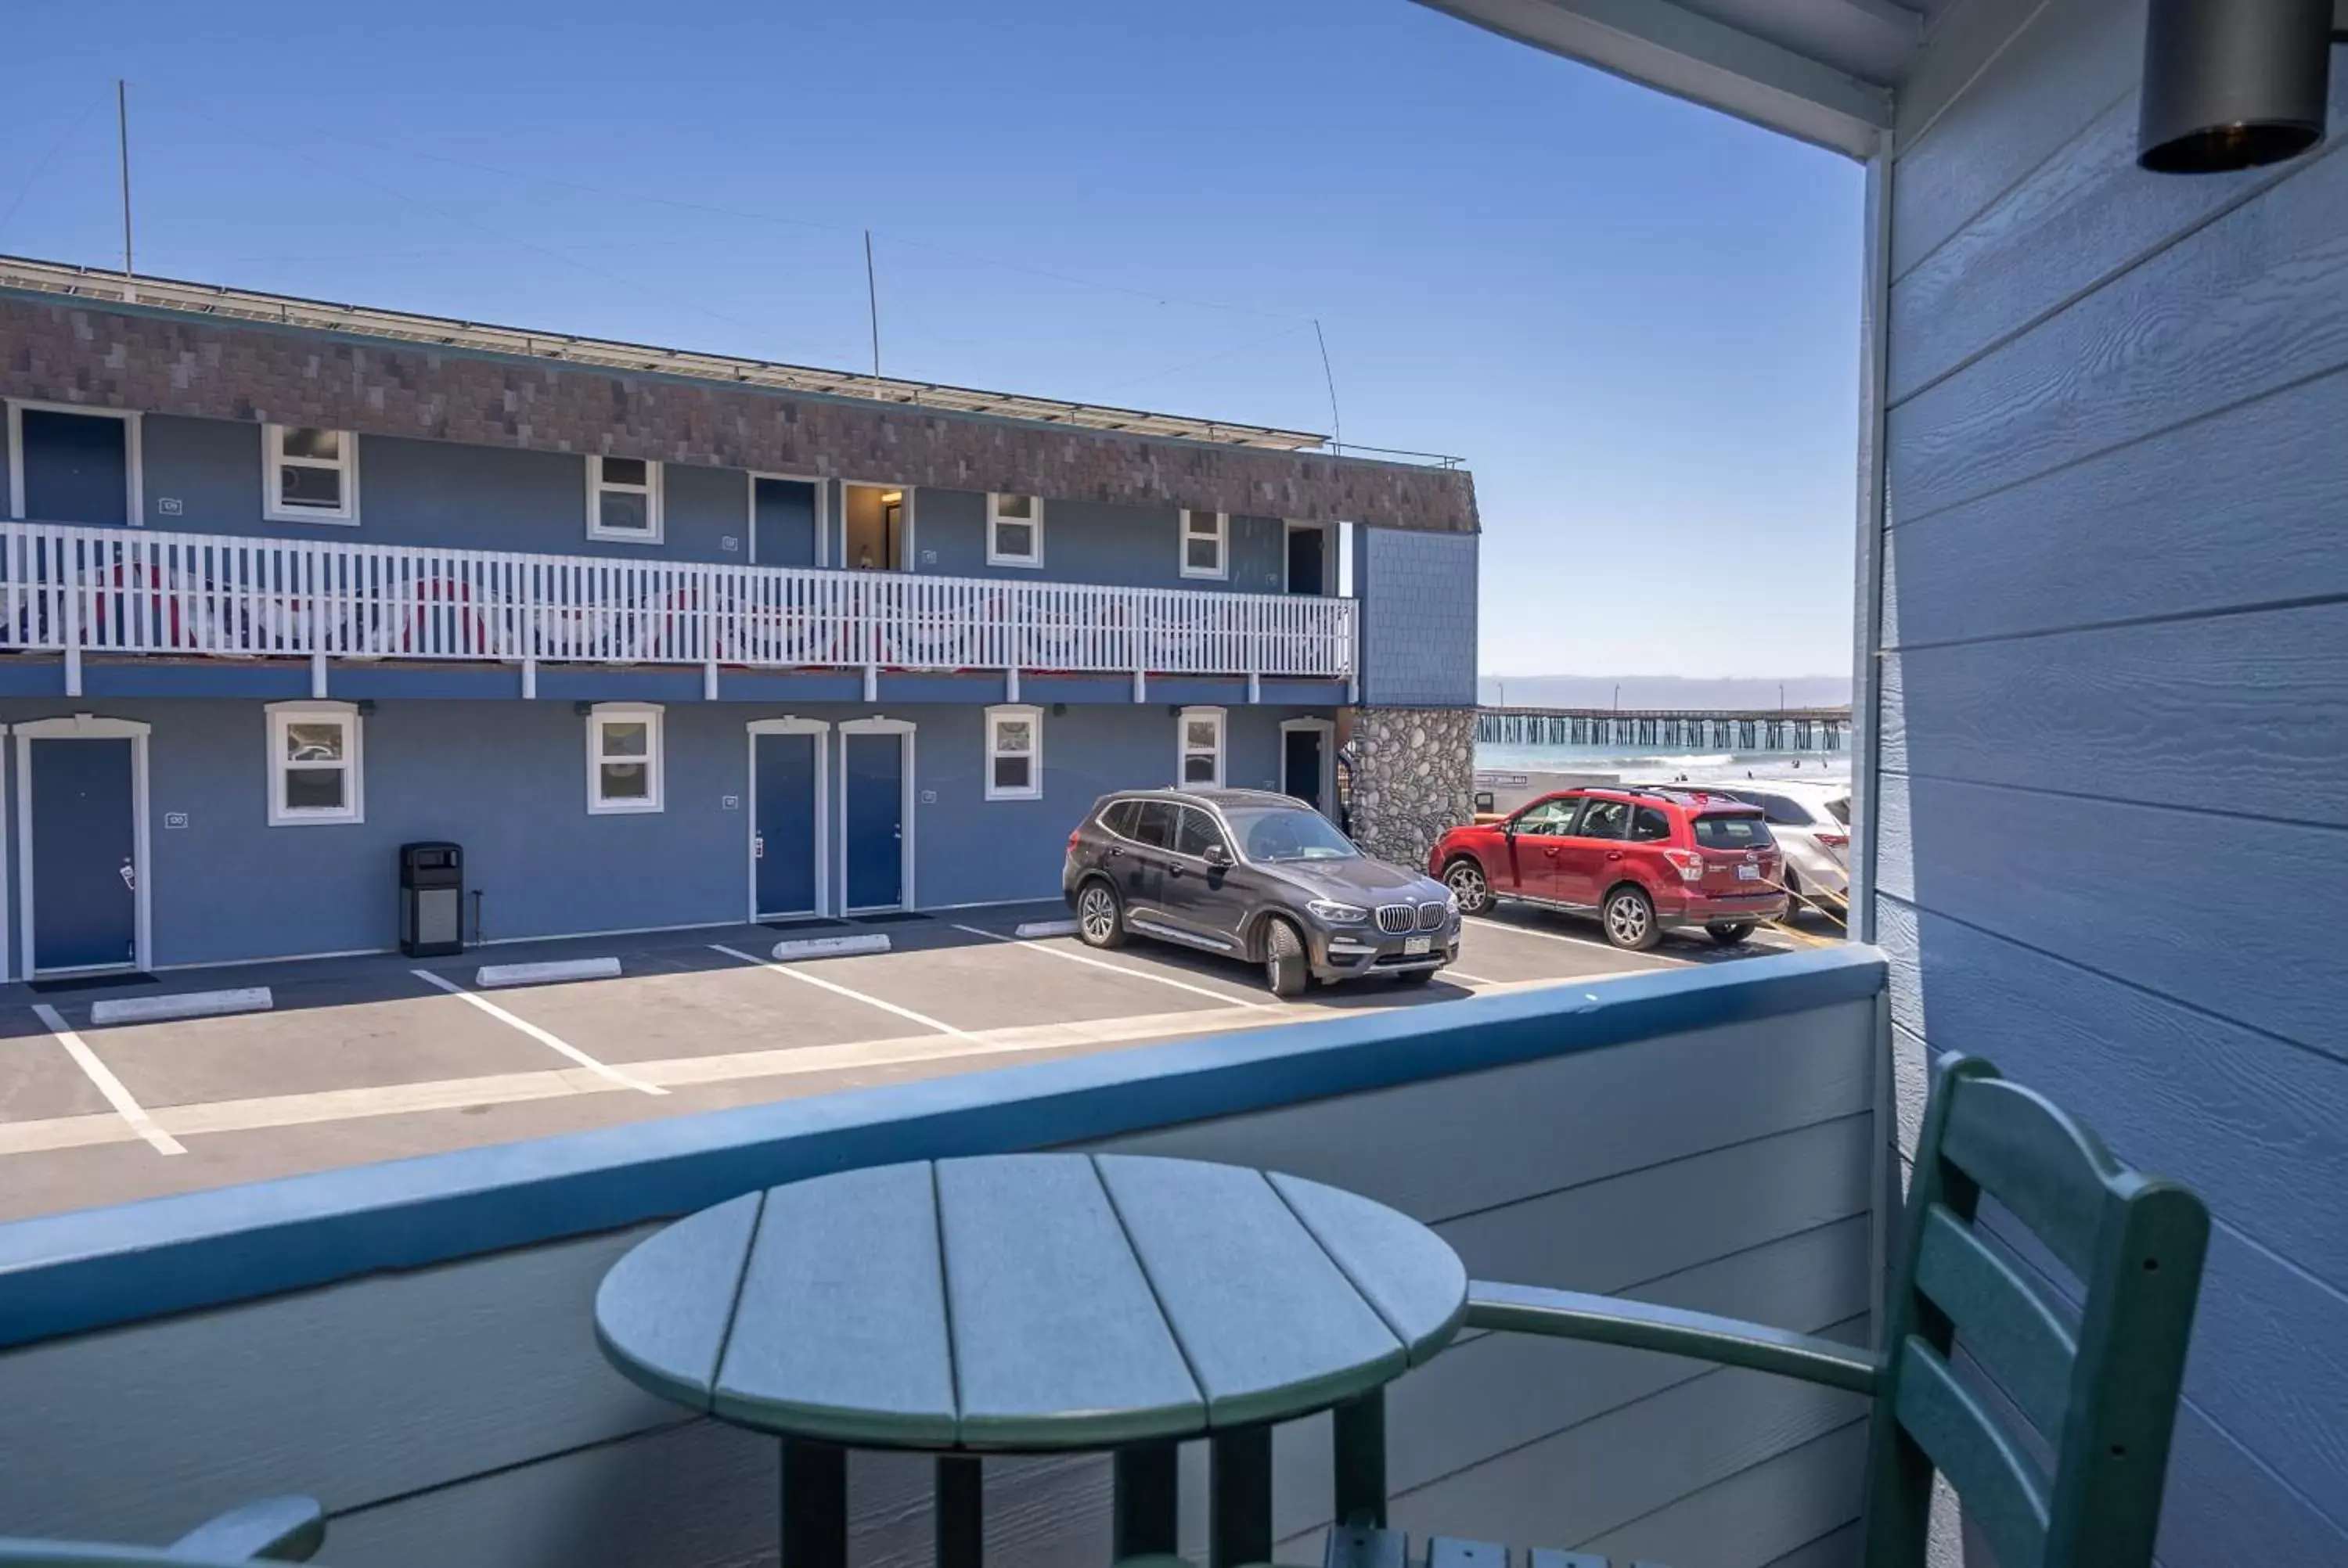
(1217, 856)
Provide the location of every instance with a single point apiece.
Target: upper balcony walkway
(77, 590)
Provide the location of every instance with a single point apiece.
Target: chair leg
(1148, 1500)
(814, 1505)
(1360, 1440)
(1239, 1470)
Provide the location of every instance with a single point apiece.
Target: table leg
(1360, 1431)
(814, 1505)
(1148, 1501)
(961, 1512)
(1238, 1478)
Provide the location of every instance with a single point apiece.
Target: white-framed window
(623, 757)
(1200, 760)
(1015, 530)
(1206, 543)
(1014, 753)
(309, 475)
(623, 499)
(314, 763)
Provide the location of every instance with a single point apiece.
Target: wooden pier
(1775, 730)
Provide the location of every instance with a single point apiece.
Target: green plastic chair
(2095, 1387)
(273, 1530)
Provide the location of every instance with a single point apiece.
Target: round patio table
(1039, 1303)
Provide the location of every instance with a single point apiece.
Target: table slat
(1416, 1282)
(661, 1311)
(841, 1331)
(1057, 1338)
(1269, 1323)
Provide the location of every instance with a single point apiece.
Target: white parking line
(1569, 941)
(561, 1047)
(799, 974)
(1118, 968)
(108, 1084)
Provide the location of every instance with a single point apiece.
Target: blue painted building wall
(418, 492)
(507, 779)
(2114, 691)
(1129, 547)
(1417, 618)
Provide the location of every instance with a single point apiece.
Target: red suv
(1644, 861)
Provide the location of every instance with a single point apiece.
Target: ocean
(1657, 765)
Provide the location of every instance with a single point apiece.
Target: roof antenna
(872, 301)
(123, 141)
(1337, 425)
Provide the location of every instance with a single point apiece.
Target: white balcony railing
(81, 591)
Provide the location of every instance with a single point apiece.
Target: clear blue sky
(1636, 319)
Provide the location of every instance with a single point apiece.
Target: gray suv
(1258, 876)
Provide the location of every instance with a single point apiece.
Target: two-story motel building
(660, 639)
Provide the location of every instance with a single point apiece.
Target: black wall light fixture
(2232, 84)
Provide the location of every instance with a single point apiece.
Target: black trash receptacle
(431, 900)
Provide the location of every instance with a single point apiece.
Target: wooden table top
(1029, 1302)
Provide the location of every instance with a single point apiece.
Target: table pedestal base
(814, 1505)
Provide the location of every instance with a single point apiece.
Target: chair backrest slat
(2048, 1169)
(2003, 1492)
(2100, 1387)
(2004, 1321)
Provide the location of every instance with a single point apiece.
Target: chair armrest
(1608, 1320)
(273, 1530)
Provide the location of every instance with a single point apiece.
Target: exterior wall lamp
(2232, 84)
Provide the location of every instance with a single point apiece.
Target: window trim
(1033, 717)
(649, 714)
(274, 506)
(1182, 753)
(1034, 522)
(1221, 571)
(280, 717)
(650, 490)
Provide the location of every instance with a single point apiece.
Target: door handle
(1550, 853)
(1172, 869)
(757, 847)
(1613, 854)
(129, 875)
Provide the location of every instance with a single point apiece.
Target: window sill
(1015, 795)
(323, 819)
(620, 537)
(624, 808)
(323, 519)
(1023, 563)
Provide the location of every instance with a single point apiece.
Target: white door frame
(822, 499)
(876, 725)
(133, 462)
(1327, 728)
(85, 727)
(790, 725)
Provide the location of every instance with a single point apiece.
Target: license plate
(1748, 873)
(1417, 946)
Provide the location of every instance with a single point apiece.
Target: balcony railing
(79, 590)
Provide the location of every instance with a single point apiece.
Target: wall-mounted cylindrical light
(2232, 84)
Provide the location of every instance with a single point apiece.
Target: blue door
(783, 514)
(76, 467)
(785, 841)
(85, 903)
(874, 829)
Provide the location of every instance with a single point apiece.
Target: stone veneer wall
(1414, 777)
(166, 362)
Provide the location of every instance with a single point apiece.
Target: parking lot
(379, 1058)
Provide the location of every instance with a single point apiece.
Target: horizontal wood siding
(2115, 645)
(461, 1415)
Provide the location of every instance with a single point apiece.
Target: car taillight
(1073, 837)
(1834, 840)
(1687, 863)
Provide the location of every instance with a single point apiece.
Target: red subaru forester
(1644, 861)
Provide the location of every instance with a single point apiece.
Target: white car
(1811, 822)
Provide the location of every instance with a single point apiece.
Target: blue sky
(1636, 319)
